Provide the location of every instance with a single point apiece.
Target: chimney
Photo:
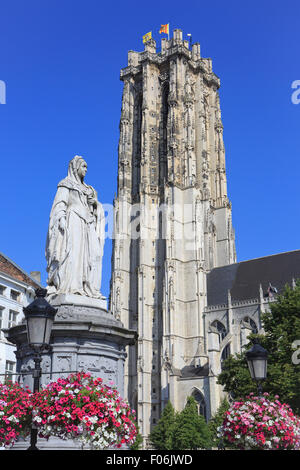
(36, 275)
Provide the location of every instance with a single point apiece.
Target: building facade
(16, 291)
(174, 260)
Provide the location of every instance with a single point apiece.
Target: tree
(217, 421)
(282, 335)
(161, 435)
(191, 430)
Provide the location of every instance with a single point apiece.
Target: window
(225, 354)
(2, 289)
(1, 318)
(201, 406)
(252, 324)
(221, 329)
(9, 369)
(12, 320)
(15, 295)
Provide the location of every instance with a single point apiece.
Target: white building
(16, 291)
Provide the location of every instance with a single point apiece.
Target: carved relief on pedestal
(64, 313)
(28, 366)
(63, 363)
(100, 367)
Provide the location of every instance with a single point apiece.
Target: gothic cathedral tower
(172, 217)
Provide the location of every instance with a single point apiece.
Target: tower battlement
(169, 49)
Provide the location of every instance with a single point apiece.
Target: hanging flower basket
(15, 413)
(84, 408)
(262, 424)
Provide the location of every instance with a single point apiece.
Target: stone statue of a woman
(75, 238)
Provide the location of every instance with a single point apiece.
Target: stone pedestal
(85, 337)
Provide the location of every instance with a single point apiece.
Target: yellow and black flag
(147, 37)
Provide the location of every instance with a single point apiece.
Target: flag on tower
(164, 28)
(147, 37)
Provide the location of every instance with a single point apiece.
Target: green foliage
(161, 435)
(180, 431)
(217, 421)
(282, 329)
(191, 430)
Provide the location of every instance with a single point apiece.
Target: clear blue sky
(60, 60)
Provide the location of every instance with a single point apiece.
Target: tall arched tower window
(137, 139)
(164, 133)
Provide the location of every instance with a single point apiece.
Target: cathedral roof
(192, 371)
(243, 279)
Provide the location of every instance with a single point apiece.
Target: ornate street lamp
(257, 358)
(39, 316)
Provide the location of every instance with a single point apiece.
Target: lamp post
(257, 358)
(39, 316)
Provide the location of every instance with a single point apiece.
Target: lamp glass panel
(250, 365)
(48, 330)
(36, 330)
(259, 368)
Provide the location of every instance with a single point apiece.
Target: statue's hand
(92, 201)
(62, 224)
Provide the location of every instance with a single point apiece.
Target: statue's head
(77, 168)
